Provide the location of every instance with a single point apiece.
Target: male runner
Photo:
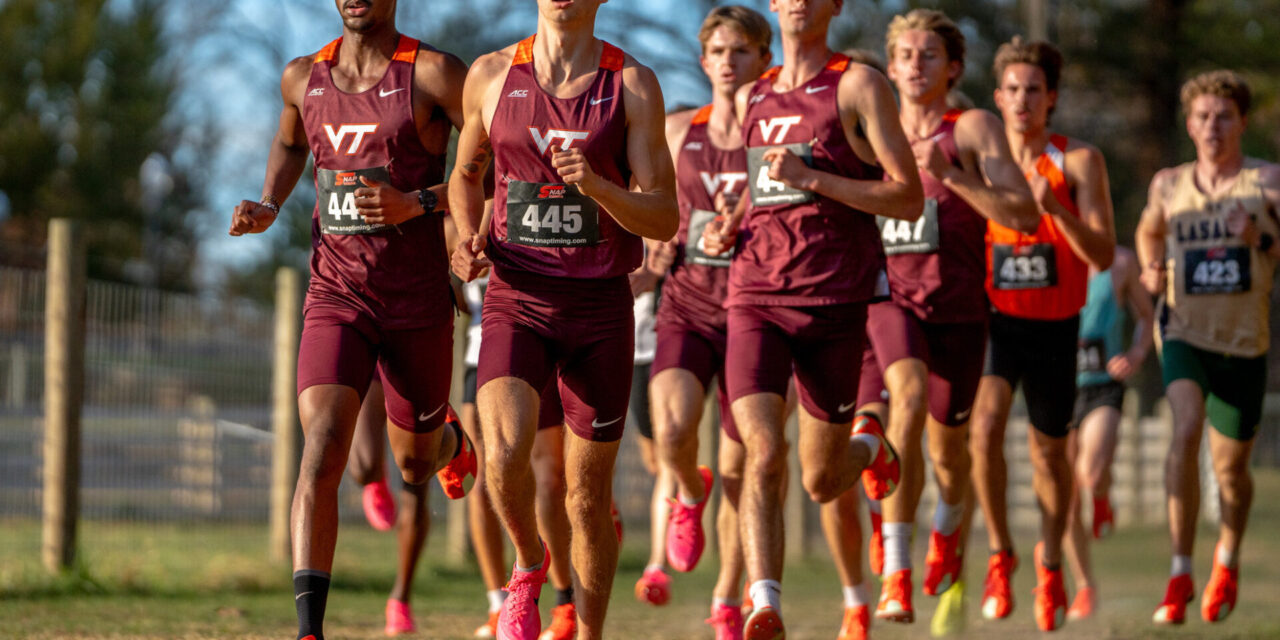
(1102, 365)
(572, 122)
(1207, 242)
(711, 172)
(800, 282)
(929, 338)
(375, 108)
(1036, 283)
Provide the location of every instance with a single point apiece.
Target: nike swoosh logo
(964, 414)
(299, 596)
(845, 407)
(812, 90)
(596, 424)
(423, 417)
(382, 93)
(595, 102)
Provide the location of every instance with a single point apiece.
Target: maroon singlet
(937, 264)
(399, 275)
(696, 288)
(541, 225)
(800, 248)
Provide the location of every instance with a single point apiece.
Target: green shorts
(1233, 386)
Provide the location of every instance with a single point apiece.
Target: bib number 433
(1023, 267)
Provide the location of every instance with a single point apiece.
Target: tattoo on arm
(480, 161)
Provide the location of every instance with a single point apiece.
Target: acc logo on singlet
(714, 181)
(356, 131)
(567, 137)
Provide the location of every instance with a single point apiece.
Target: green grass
(162, 581)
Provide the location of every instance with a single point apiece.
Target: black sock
(310, 592)
(564, 596)
(458, 435)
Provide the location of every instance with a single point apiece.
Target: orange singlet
(1037, 276)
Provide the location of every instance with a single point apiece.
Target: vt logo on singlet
(714, 181)
(567, 136)
(356, 131)
(766, 191)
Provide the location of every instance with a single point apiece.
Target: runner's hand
(379, 203)
(660, 260)
(930, 159)
(727, 201)
(642, 280)
(719, 236)
(574, 169)
(1153, 278)
(789, 169)
(251, 217)
(1242, 225)
(468, 259)
(1121, 367)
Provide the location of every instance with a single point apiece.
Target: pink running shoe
(399, 618)
(727, 621)
(654, 587)
(457, 477)
(519, 619)
(379, 506)
(685, 537)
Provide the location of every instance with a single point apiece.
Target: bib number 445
(555, 219)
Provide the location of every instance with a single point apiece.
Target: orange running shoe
(1050, 595)
(747, 605)
(857, 622)
(564, 623)
(881, 476)
(942, 564)
(875, 546)
(1220, 594)
(489, 629)
(1104, 520)
(654, 587)
(764, 624)
(895, 598)
(1083, 604)
(457, 477)
(997, 596)
(1173, 609)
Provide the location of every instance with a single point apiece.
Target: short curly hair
(1038, 53)
(1222, 83)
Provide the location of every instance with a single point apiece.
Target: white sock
(1181, 566)
(726, 602)
(897, 546)
(686, 500)
(872, 442)
(855, 596)
(1224, 556)
(947, 517)
(496, 598)
(653, 567)
(766, 593)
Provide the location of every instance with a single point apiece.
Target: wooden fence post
(284, 409)
(63, 391)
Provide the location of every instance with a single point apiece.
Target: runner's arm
(466, 184)
(1124, 274)
(1092, 236)
(1000, 193)
(288, 155)
(1149, 237)
(1270, 175)
(437, 77)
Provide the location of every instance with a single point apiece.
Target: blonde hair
(753, 26)
(1038, 54)
(1222, 83)
(927, 20)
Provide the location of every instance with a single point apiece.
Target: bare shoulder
(490, 65)
(298, 70)
(434, 66)
(638, 78)
(678, 123)
(1269, 175)
(1162, 184)
(863, 77)
(978, 129)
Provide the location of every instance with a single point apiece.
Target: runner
(1102, 366)
(813, 189)
(1036, 283)
(571, 123)
(711, 172)
(1207, 242)
(929, 338)
(375, 108)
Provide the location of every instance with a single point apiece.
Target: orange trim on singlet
(329, 52)
(524, 51)
(612, 58)
(839, 62)
(703, 116)
(952, 116)
(406, 51)
(1055, 174)
(771, 74)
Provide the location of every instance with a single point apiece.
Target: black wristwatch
(1265, 241)
(428, 199)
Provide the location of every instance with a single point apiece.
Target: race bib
(1217, 270)
(1091, 356)
(1030, 266)
(902, 236)
(338, 213)
(767, 192)
(694, 249)
(551, 215)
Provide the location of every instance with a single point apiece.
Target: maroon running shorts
(700, 352)
(953, 352)
(768, 343)
(871, 383)
(550, 411)
(341, 345)
(578, 333)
